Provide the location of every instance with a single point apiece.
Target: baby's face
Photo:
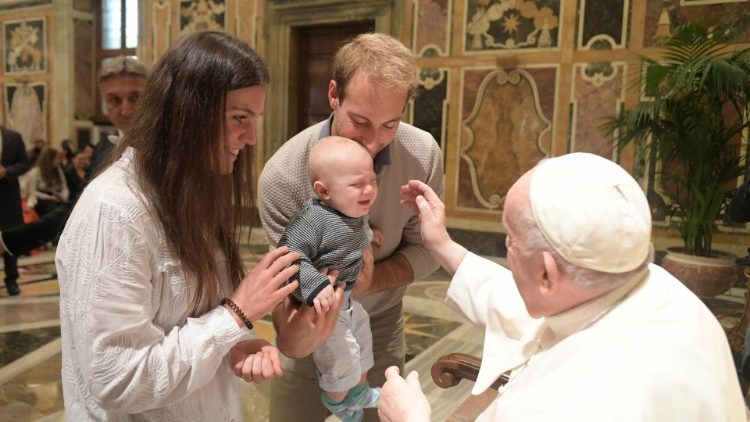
(352, 187)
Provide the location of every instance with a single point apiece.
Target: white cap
(592, 212)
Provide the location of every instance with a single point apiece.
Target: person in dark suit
(13, 163)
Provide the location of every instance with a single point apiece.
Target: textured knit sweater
(284, 190)
(325, 238)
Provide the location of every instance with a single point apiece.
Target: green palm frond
(699, 90)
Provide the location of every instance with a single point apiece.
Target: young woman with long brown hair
(156, 311)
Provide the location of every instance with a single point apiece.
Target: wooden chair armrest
(449, 370)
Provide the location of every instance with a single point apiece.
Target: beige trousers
(296, 396)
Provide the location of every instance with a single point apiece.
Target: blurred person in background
(13, 163)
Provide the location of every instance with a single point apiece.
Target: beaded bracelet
(233, 306)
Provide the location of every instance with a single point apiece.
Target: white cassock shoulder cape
(657, 354)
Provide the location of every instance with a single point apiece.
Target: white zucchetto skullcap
(592, 212)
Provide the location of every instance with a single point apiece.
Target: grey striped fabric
(325, 238)
(284, 189)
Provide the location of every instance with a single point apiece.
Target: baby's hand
(324, 300)
(377, 237)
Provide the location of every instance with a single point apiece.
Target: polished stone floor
(30, 388)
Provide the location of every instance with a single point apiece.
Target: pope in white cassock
(588, 327)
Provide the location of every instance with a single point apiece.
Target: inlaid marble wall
(603, 24)
(501, 25)
(431, 38)
(47, 67)
(26, 110)
(733, 13)
(84, 36)
(597, 92)
(197, 15)
(503, 83)
(25, 46)
(430, 107)
(506, 119)
(26, 71)
(537, 78)
(169, 20)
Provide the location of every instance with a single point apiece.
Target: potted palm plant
(694, 125)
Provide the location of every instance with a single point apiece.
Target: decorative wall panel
(26, 110)
(84, 36)
(83, 5)
(504, 24)
(734, 15)
(161, 23)
(598, 91)
(430, 109)
(507, 128)
(245, 15)
(432, 27)
(602, 24)
(197, 15)
(25, 46)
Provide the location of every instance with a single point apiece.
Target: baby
(332, 232)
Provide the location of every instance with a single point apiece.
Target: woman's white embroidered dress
(129, 349)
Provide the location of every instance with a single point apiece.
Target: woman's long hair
(178, 133)
(47, 169)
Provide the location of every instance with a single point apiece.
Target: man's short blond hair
(121, 65)
(382, 58)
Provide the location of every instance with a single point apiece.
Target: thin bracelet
(233, 306)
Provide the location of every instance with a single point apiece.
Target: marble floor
(30, 387)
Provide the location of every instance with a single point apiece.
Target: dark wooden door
(317, 46)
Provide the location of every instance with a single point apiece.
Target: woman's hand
(261, 290)
(255, 361)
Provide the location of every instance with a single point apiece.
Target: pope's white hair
(532, 239)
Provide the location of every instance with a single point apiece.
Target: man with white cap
(590, 330)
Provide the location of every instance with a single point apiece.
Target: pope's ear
(551, 276)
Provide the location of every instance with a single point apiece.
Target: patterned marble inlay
(198, 15)
(22, 312)
(432, 26)
(16, 344)
(422, 331)
(25, 46)
(161, 22)
(26, 110)
(728, 312)
(245, 16)
(511, 24)
(430, 106)
(85, 97)
(33, 394)
(598, 90)
(506, 133)
(603, 21)
(732, 14)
